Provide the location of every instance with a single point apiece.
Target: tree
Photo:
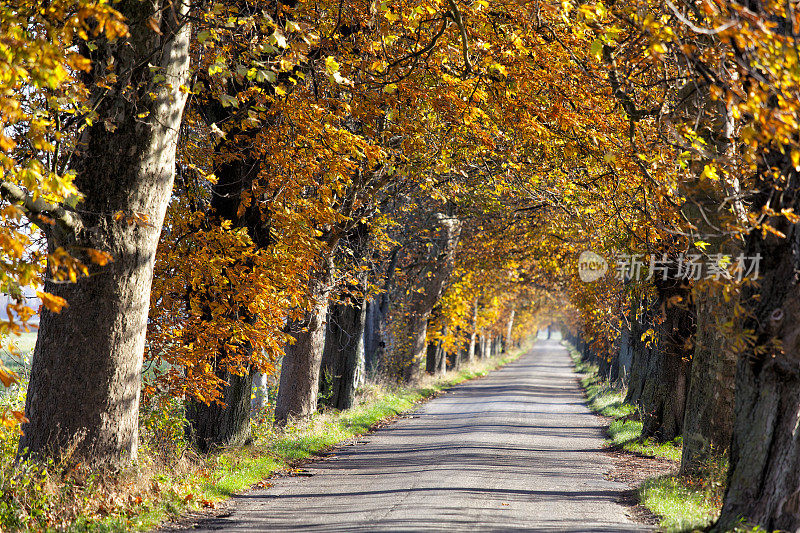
(85, 381)
(38, 92)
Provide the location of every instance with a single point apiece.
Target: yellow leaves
(766, 228)
(332, 70)
(79, 62)
(52, 302)
(790, 215)
(710, 173)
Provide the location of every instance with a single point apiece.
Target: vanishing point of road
(515, 451)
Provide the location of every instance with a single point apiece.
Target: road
(515, 451)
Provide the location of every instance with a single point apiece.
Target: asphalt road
(515, 451)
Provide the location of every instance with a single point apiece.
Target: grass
(682, 503)
(625, 429)
(171, 479)
(19, 358)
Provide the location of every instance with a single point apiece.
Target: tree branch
(456, 13)
(38, 210)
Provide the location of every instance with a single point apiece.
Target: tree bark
(85, 378)
(260, 390)
(763, 482)
(343, 356)
(473, 335)
(432, 280)
(226, 424)
(509, 328)
(436, 358)
(299, 383)
(708, 423)
(663, 399)
(640, 355)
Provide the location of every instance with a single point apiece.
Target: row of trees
(711, 97)
(365, 188)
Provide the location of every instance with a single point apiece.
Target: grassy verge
(625, 430)
(170, 479)
(682, 503)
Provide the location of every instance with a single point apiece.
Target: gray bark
(299, 383)
(226, 424)
(423, 300)
(436, 358)
(509, 328)
(473, 335)
(708, 423)
(85, 378)
(260, 390)
(663, 398)
(343, 356)
(763, 482)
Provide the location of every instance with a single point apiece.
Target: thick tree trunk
(436, 358)
(431, 354)
(663, 399)
(213, 424)
(709, 406)
(763, 481)
(299, 383)
(625, 358)
(708, 423)
(343, 357)
(640, 355)
(217, 425)
(373, 338)
(85, 378)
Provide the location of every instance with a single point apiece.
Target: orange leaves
(99, 257)
(7, 377)
(52, 302)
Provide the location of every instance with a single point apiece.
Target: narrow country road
(515, 451)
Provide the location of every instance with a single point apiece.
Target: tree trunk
(473, 336)
(299, 383)
(763, 481)
(85, 378)
(663, 399)
(640, 355)
(260, 391)
(436, 358)
(482, 347)
(625, 358)
(509, 329)
(423, 300)
(373, 339)
(214, 424)
(226, 424)
(708, 423)
(343, 357)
